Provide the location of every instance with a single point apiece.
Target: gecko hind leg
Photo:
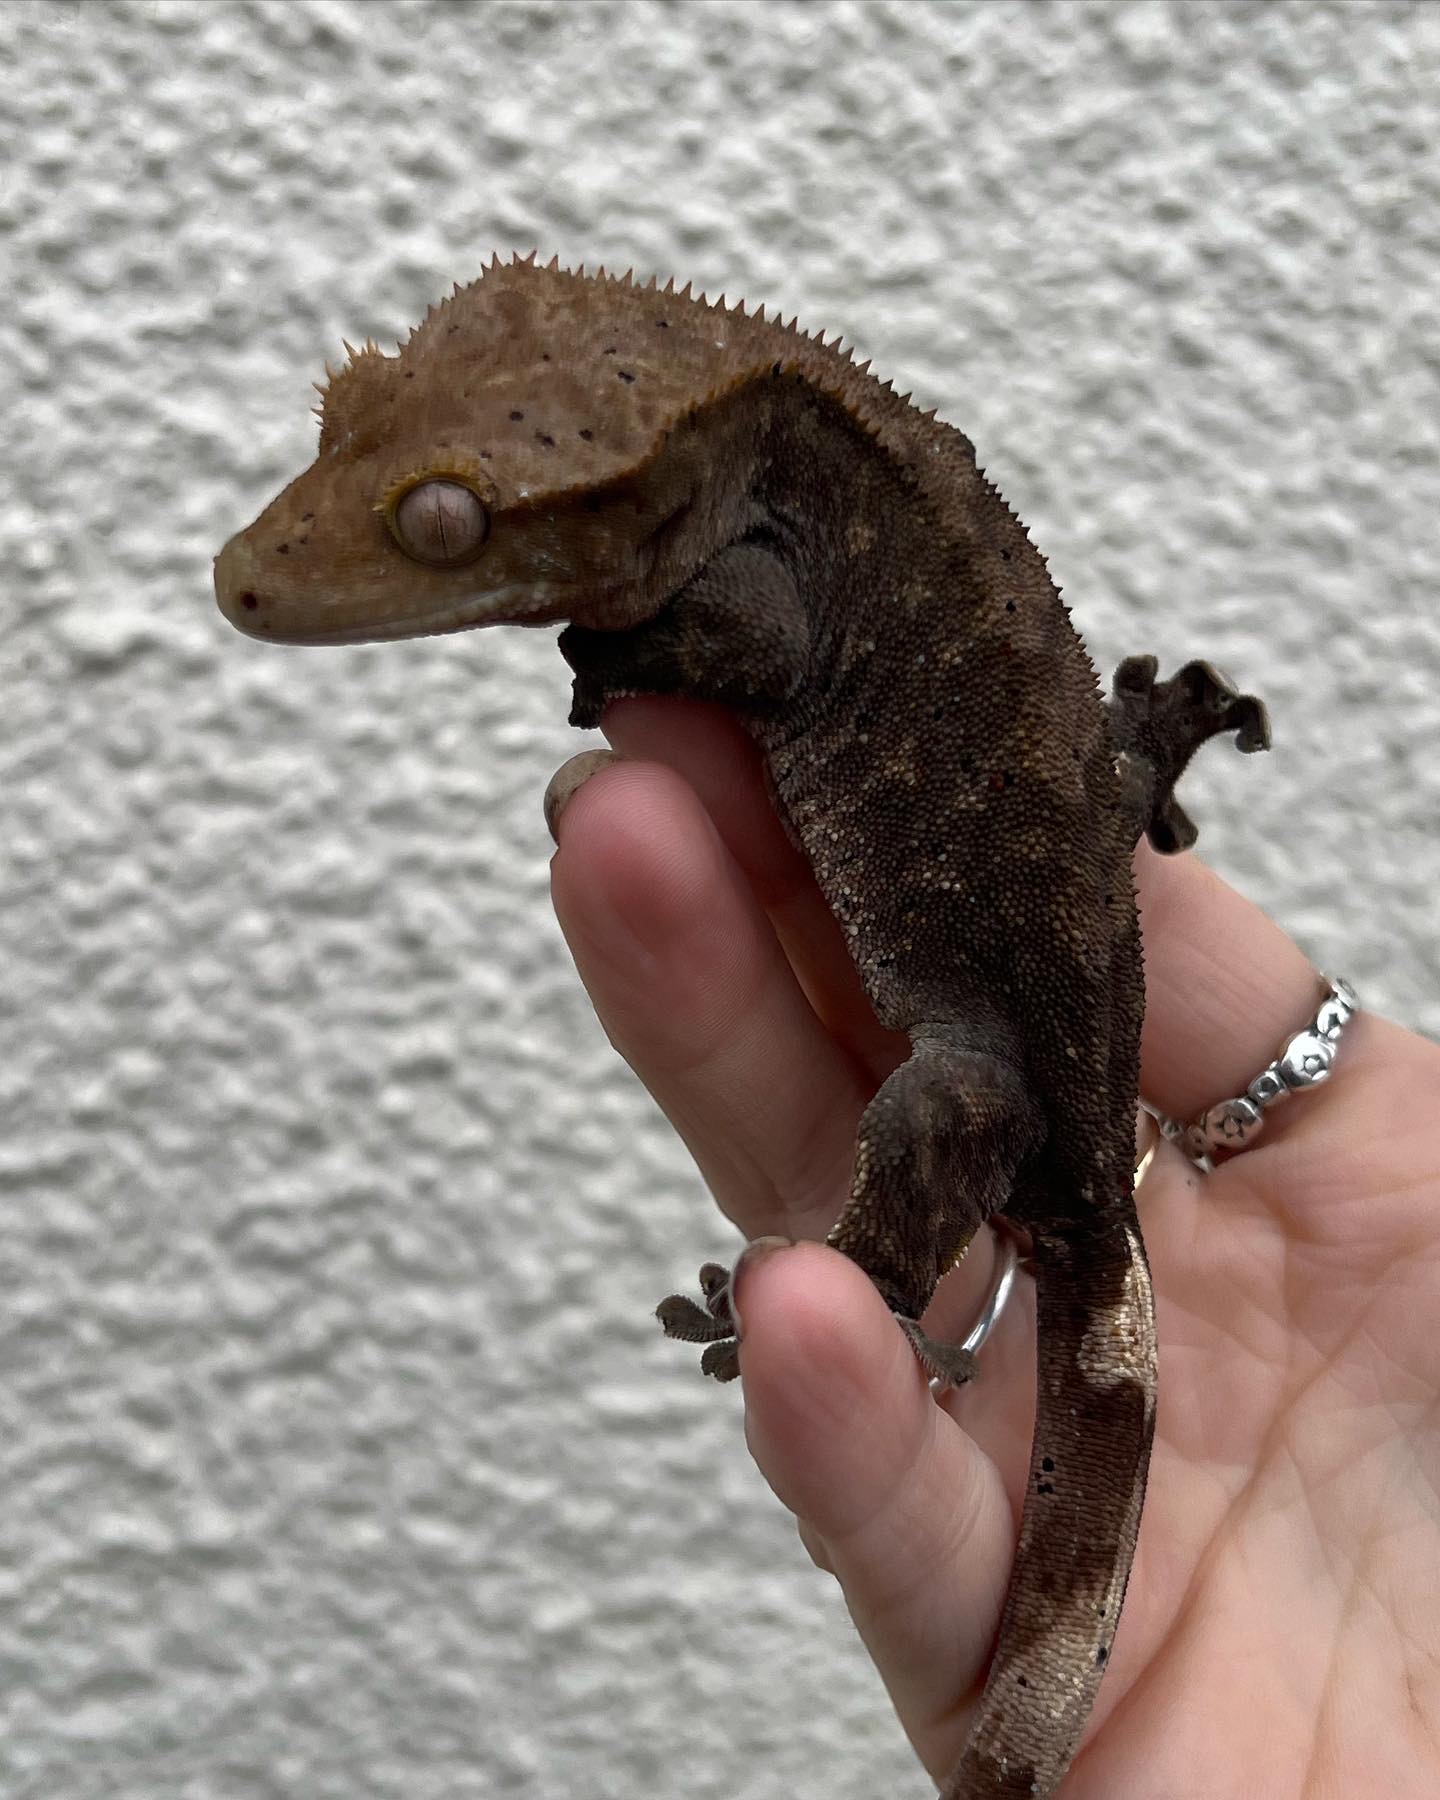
(936, 1155)
(1159, 725)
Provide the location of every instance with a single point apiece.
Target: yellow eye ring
(439, 516)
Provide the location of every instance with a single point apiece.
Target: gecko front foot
(712, 1324)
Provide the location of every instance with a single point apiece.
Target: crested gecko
(717, 505)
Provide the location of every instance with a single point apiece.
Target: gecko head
(533, 453)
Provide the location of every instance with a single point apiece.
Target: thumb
(891, 1495)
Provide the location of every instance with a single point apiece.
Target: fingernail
(568, 779)
(758, 1250)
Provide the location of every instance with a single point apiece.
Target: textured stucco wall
(339, 1456)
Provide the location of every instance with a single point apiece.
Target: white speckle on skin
(1120, 1346)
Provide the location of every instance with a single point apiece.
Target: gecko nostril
(249, 601)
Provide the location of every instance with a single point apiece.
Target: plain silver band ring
(1303, 1061)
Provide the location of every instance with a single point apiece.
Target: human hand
(1281, 1634)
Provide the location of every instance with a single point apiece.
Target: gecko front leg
(736, 632)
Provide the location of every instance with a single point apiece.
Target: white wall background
(339, 1456)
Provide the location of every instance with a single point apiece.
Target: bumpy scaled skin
(721, 507)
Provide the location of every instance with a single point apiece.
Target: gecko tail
(1094, 1420)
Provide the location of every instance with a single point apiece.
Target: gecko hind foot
(712, 1324)
(948, 1365)
(1158, 727)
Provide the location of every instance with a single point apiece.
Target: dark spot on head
(1004, 556)
(305, 518)
(586, 433)
(282, 549)
(1022, 1681)
(453, 329)
(409, 374)
(1044, 1487)
(776, 368)
(249, 601)
(625, 375)
(546, 439)
(1100, 1656)
(662, 324)
(1009, 606)
(611, 350)
(485, 456)
(544, 356)
(517, 415)
(937, 712)
(1047, 1463)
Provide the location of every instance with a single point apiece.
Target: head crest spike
(553, 266)
(527, 260)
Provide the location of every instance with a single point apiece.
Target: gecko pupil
(442, 523)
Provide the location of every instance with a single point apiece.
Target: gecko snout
(240, 595)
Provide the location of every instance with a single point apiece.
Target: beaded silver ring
(1303, 1061)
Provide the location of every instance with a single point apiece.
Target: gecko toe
(950, 1365)
(721, 1360)
(681, 1318)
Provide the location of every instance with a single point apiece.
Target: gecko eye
(443, 523)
